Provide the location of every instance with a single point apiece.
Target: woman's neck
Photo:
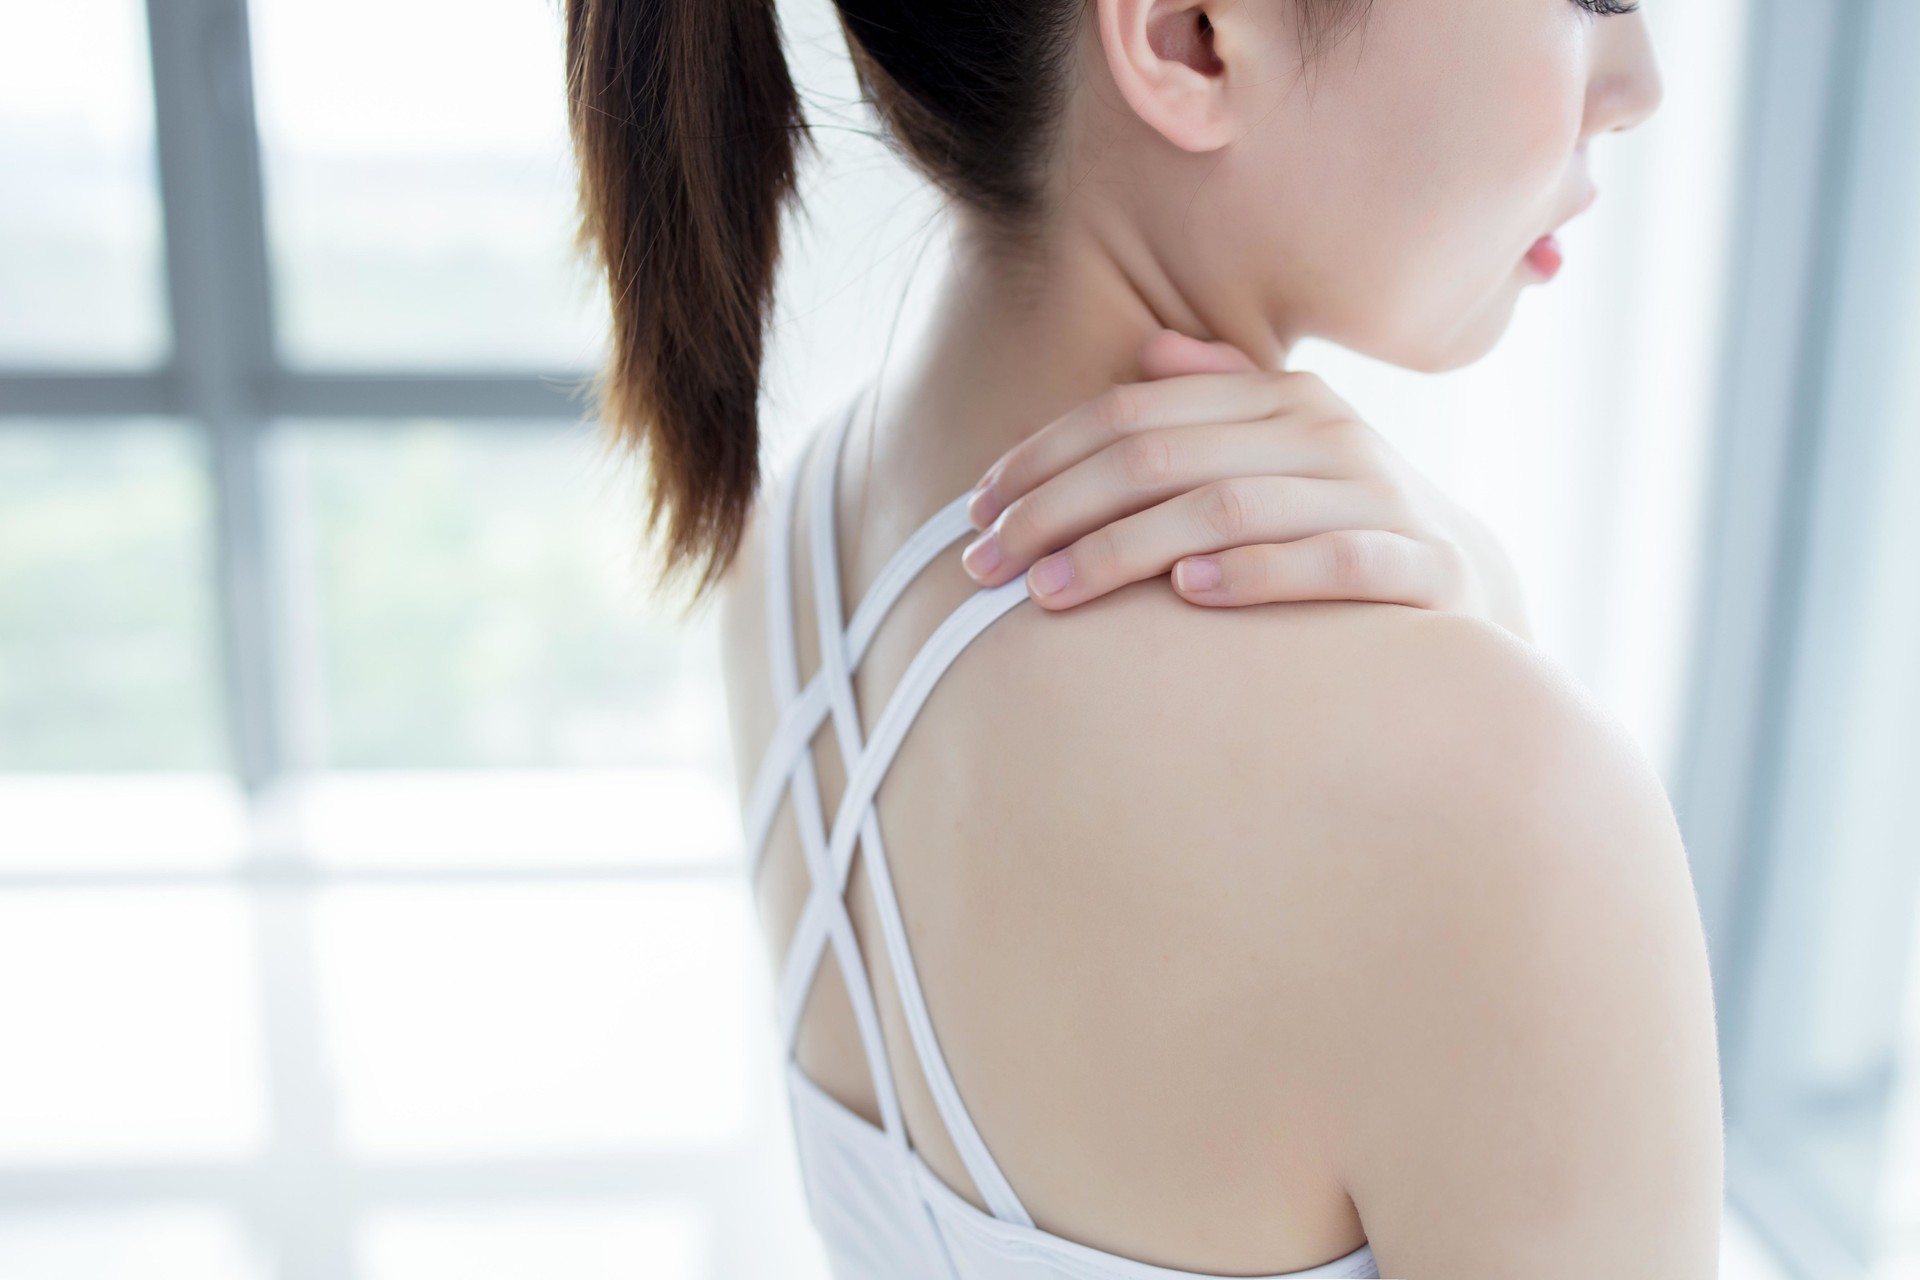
(1009, 350)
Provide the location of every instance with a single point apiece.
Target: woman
(1321, 937)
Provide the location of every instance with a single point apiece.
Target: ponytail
(686, 127)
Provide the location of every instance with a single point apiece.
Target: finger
(1345, 564)
(1260, 458)
(1169, 352)
(1126, 409)
(1244, 510)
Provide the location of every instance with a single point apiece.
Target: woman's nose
(1626, 86)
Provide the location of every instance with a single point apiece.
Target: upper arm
(1530, 1083)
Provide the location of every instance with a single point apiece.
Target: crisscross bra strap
(789, 765)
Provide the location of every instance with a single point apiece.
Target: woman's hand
(1251, 485)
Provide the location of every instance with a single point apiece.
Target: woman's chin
(1457, 350)
(1429, 336)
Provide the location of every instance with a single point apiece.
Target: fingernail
(1197, 573)
(1051, 574)
(984, 505)
(982, 555)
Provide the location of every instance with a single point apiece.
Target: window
(419, 194)
(473, 602)
(369, 858)
(106, 597)
(80, 261)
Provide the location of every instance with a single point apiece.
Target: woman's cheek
(1551, 80)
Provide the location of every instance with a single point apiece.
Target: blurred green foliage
(107, 640)
(460, 596)
(479, 602)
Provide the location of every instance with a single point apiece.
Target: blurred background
(370, 874)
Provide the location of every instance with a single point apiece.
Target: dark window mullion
(101, 396)
(219, 298)
(107, 394)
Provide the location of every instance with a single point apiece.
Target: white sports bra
(881, 1211)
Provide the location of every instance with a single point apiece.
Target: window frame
(223, 373)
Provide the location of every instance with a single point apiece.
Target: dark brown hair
(688, 131)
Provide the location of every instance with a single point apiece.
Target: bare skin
(1252, 933)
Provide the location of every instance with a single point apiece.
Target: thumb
(1169, 353)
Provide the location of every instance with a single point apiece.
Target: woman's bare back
(1168, 873)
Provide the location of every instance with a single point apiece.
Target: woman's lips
(1544, 257)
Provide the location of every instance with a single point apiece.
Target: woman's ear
(1165, 56)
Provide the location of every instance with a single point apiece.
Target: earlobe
(1163, 58)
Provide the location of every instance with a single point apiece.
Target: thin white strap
(975, 615)
(802, 716)
(979, 1162)
(959, 628)
(798, 768)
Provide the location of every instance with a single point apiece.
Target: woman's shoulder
(1431, 884)
(1361, 702)
(1378, 753)
(1398, 762)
